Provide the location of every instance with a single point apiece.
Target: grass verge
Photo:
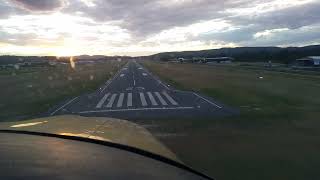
(32, 90)
(274, 137)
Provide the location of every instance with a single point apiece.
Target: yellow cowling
(100, 128)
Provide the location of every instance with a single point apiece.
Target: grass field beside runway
(32, 90)
(276, 135)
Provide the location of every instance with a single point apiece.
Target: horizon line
(39, 55)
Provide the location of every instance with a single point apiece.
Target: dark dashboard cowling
(25, 156)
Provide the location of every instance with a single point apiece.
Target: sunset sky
(143, 27)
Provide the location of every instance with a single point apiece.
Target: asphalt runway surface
(135, 93)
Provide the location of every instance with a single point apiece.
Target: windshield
(230, 88)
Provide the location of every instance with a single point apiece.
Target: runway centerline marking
(101, 102)
(111, 80)
(134, 80)
(137, 109)
(156, 79)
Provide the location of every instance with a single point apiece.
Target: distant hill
(247, 54)
(6, 59)
(9, 59)
(87, 57)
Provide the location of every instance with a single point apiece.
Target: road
(134, 93)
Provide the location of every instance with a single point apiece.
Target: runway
(135, 93)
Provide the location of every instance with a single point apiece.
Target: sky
(144, 27)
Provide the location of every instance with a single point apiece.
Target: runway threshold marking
(129, 102)
(172, 101)
(137, 109)
(143, 99)
(153, 101)
(162, 101)
(207, 101)
(120, 100)
(101, 102)
(113, 97)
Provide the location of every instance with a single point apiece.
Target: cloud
(40, 5)
(258, 36)
(65, 33)
(284, 26)
(17, 39)
(287, 37)
(290, 17)
(131, 26)
(145, 17)
(236, 35)
(6, 10)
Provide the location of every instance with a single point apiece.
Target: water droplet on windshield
(72, 63)
(17, 66)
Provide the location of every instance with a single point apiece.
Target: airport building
(219, 59)
(207, 60)
(309, 61)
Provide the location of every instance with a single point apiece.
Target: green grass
(275, 136)
(32, 90)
